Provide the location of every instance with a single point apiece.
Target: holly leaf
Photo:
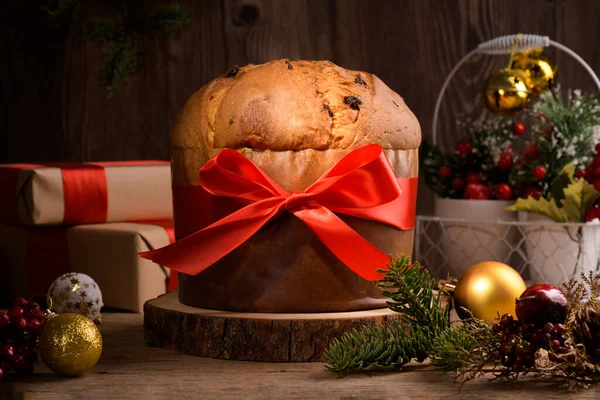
(561, 182)
(542, 206)
(568, 201)
(579, 196)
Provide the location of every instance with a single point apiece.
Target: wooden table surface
(129, 369)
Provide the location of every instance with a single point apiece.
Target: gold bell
(507, 91)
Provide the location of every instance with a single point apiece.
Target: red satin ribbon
(362, 185)
(172, 282)
(85, 190)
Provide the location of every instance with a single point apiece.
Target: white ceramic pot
(472, 236)
(557, 251)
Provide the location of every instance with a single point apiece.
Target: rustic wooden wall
(53, 109)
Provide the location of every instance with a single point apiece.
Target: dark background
(54, 109)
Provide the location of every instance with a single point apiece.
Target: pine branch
(411, 290)
(169, 21)
(118, 64)
(59, 11)
(468, 350)
(378, 348)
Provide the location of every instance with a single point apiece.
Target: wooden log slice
(250, 336)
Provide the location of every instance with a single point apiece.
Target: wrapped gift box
(76, 193)
(31, 258)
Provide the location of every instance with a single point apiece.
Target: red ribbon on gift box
(84, 189)
(362, 184)
(85, 201)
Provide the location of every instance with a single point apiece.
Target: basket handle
(506, 45)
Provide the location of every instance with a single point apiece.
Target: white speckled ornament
(77, 293)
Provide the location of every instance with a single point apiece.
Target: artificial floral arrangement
(557, 173)
(557, 333)
(566, 138)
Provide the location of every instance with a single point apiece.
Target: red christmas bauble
(464, 147)
(458, 183)
(477, 191)
(503, 192)
(539, 172)
(445, 171)
(473, 177)
(518, 128)
(505, 161)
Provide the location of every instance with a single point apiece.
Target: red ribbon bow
(362, 185)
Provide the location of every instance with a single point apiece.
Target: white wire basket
(541, 250)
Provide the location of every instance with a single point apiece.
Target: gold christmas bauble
(488, 289)
(70, 344)
(539, 69)
(507, 92)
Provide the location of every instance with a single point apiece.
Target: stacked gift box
(91, 218)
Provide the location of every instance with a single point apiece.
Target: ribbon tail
(198, 251)
(345, 243)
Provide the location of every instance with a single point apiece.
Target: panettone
(294, 120)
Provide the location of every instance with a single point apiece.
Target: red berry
(464, 147)
(20, 323)
(477, 191)
(597, 148)
(19, 302)
(23, 349)
(458, 183)
(473, 177)
(503, 192)
(445, 171)
(597, 184)
(505, 161)
(542, 305)
(518, 128)
(539, 172)
(7, 350)
(596, 160)
(35, 327)
(580, 173)
(531, 151)
(555, 345)
(4, 320)
(32, 310)
(559, 329)
(15, 312)
(18, 361)
(534, 192)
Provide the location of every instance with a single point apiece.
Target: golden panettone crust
(294, 120)
(295, 105)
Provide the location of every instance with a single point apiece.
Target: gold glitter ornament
(488, 289)
(70, 344)
(539, 69)
(507, 92)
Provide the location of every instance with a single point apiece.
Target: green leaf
(561, 182)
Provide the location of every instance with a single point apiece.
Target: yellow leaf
(579, 196)
(542, 206)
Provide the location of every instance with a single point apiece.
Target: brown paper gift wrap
(75, 193)
(32, 258)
